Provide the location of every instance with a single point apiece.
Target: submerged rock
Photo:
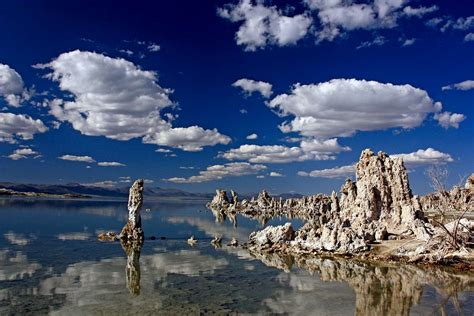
(108, 236)
(217, 241)
(192, 241)
(233, 243)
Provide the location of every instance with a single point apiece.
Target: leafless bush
(447, 206)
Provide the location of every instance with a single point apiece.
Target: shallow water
(50, 262)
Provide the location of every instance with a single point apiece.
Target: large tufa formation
(378, 206)
(133, 229)
(382, 196)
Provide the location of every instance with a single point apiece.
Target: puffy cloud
(424, 157)
(328, 146)
(110, 164)
(23, 153)
(191, 138)
(464, 85)
(116, 99)
(262, 25)
(341, 107)
(252, 136)
(462, 24)
(309, 149)
(448, 119)
(86, 159)
(275, 174)
(19, 125)
(378, 41)
(420, 11)
(217, 172)
(469, 37)
(154, 47)
(337, 16)
(448, 23)
(331, 173)
(250, 86)
(126, 52)
(163, 150)
(11, 86)
(409, 42)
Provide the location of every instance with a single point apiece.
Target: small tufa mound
(192, 240)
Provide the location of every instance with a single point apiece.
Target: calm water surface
(51, 263)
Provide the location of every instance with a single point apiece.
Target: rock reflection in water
(132, 269)
(384, 288)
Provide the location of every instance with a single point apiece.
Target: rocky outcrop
(133, 229)
(458, 199)
(376, 207)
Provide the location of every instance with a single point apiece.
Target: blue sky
(89, 91)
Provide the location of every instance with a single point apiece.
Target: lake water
(51, 263)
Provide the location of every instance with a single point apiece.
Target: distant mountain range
(80, 190)
(95, 191)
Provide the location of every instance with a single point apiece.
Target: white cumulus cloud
(420, 11)
(250, 86)
(251, 136)
(110, 164)
(424, 157)
(338, 16)
(309, 149)
(275, 174)
(464, 85)
(13, 126)
(113, 97)
(341, 107)
(409, 42)
(264, 25)
(217, 172)
(12, 86)
(87, 159)
(330, 173)
(191, 138)
(152, 47)
(448, 119)
(23, 153)
(469, 37)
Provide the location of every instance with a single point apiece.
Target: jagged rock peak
(382, 188)
(470, 183)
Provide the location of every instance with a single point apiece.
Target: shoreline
(376, 217)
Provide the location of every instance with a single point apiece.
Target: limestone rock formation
(376, 207)
(382, 195)
(133, 229)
